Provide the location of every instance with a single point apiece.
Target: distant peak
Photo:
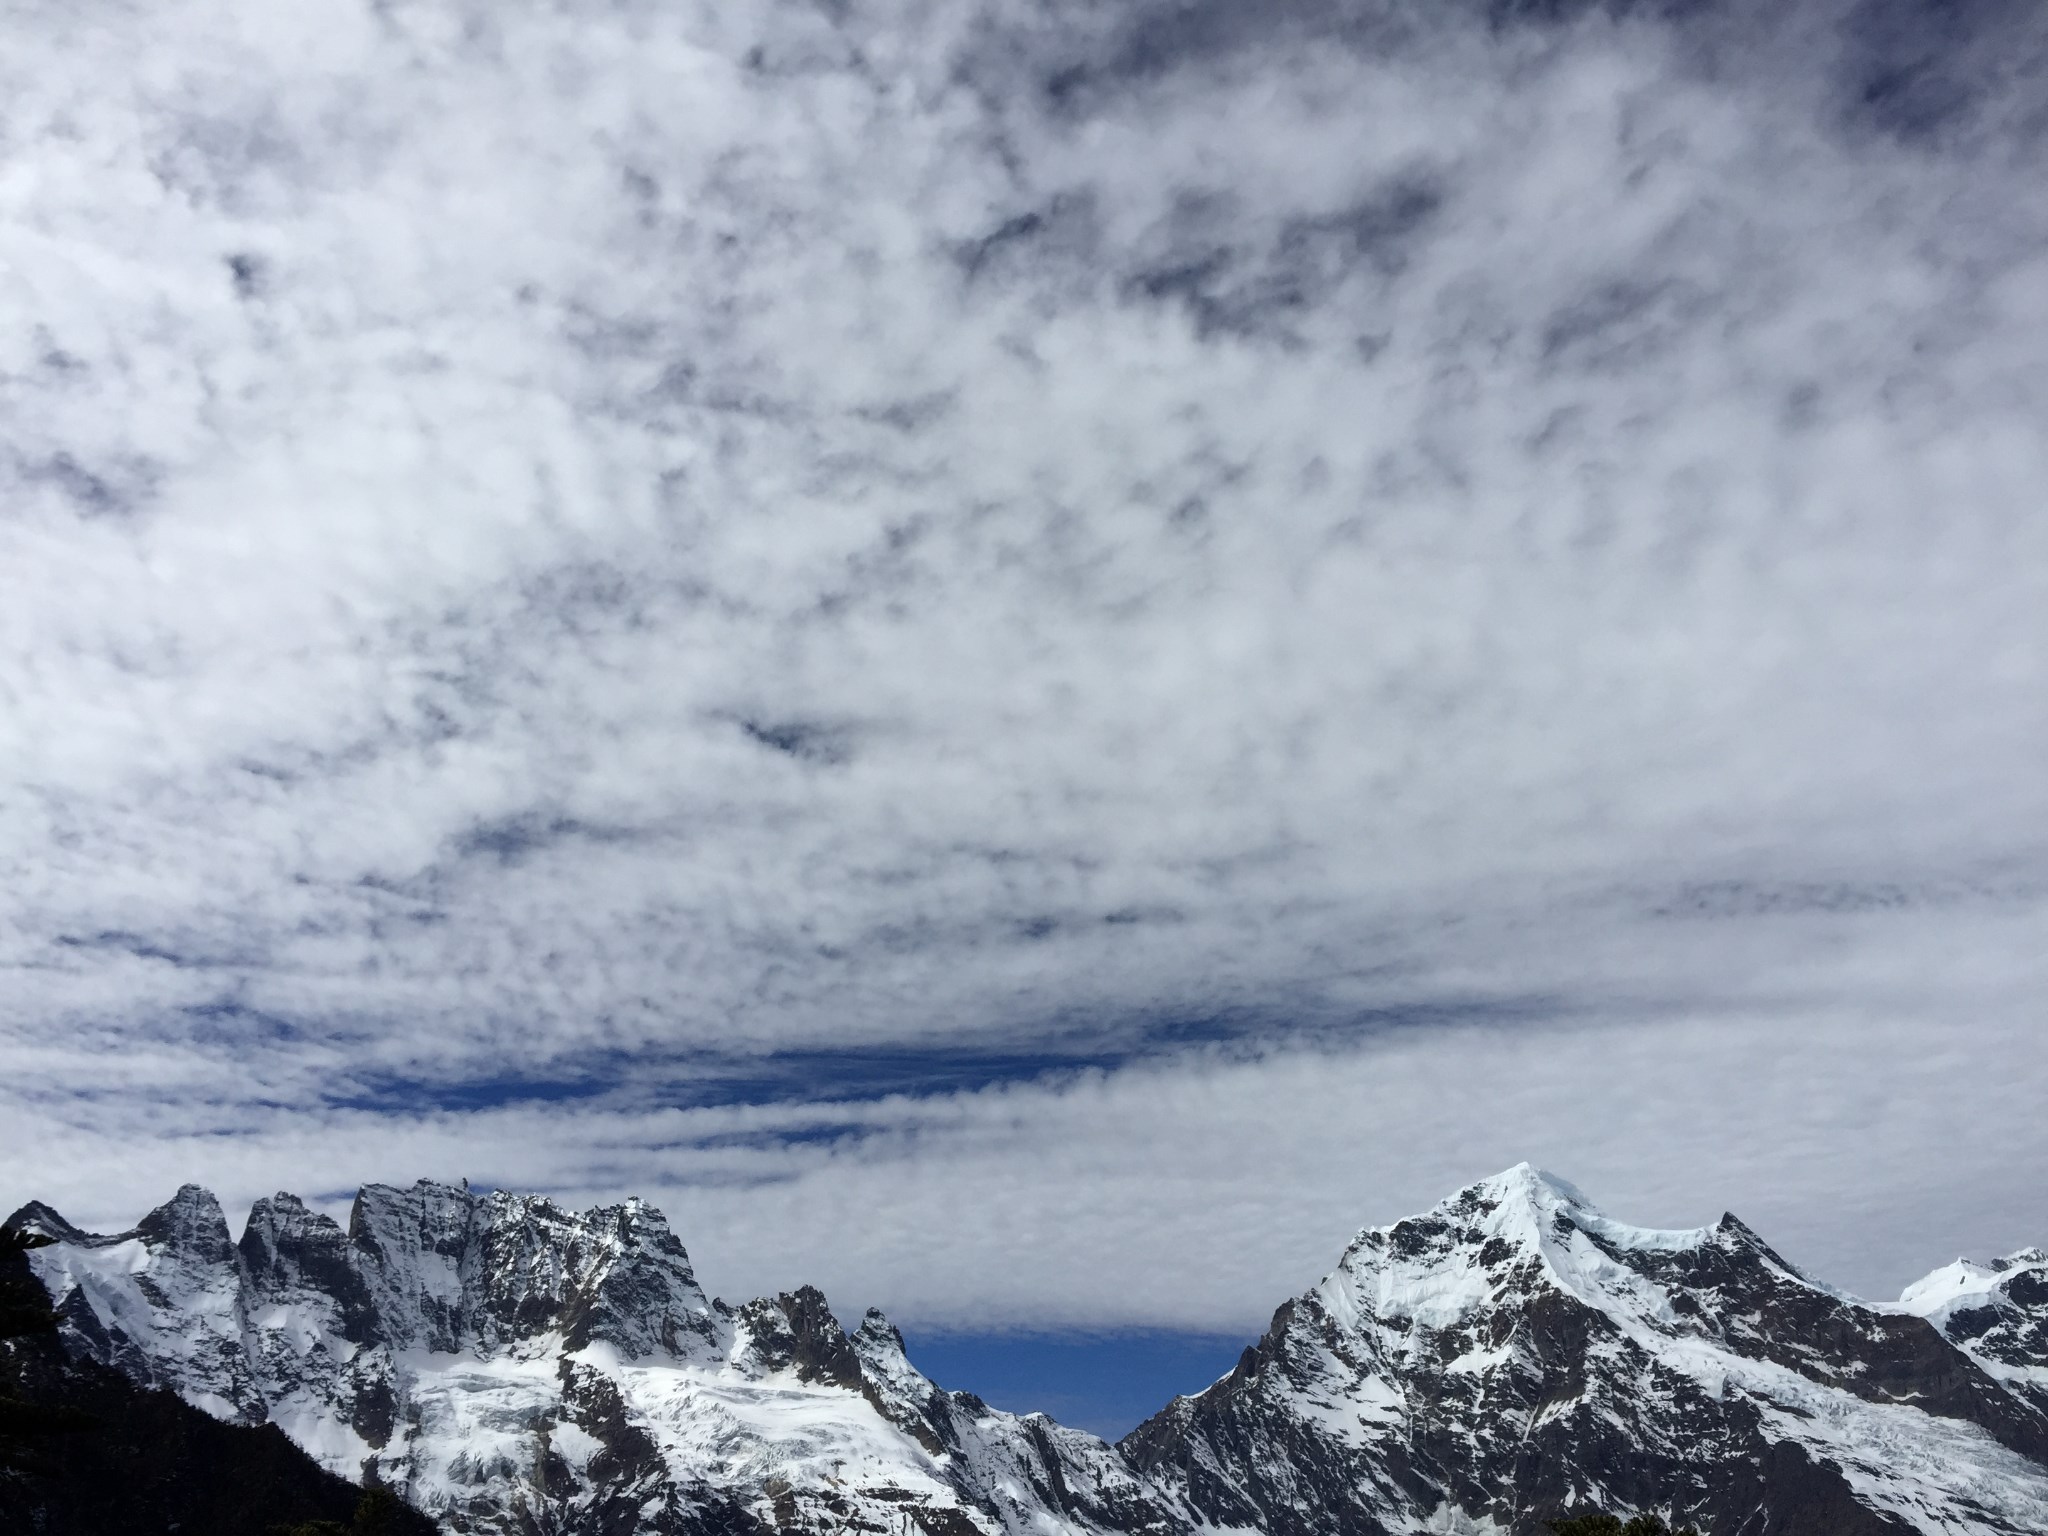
(38, 1217)
(1548, 1194)
(1525, 1181)
(1967, 1283)
(190, 1222)
(1531, 1210)
(877, 1333)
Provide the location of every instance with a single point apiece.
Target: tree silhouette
(24, 1305)
(25, 1313)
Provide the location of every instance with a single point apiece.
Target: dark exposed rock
(797, 1331)
(84, 1451)
(1513, 1355)
(1510, 1356)
(287, 1249)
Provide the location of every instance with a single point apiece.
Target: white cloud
(661, 545)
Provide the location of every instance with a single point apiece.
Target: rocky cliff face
(1998, 1313)
(511, 1366)
(1514, 1352)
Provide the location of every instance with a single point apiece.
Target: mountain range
(513, 1368)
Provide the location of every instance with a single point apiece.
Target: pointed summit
(1525, 1181)
(1523, 1218)
(38, 1217)
(1556, 1201)
(191, 1225)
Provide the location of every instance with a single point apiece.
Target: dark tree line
(86, 1452)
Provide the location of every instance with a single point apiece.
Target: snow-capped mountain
(514, 1367)
(1514, 1352)
(1998, 1312)
(510, 1366)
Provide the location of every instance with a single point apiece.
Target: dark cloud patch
(841, 1133)
(143, 947)
(1733, 898)
(1763, 898)
(513, 840)
(249, 274)
(1044, 1051)
(710, 1079)
(1928, 73)
(1126, 917)
(396, 1094)
(1146, 43)
(114, 485)
(1925, 71)
(1622, 321)
(912, 415)
(729, 1179)
(1249, 291)
(1060, 238)
(1099, 56)
(232, 1024)
(823, 743)
(1380, 230)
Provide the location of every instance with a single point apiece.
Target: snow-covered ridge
(500, 1359)
(1515, 1348)
(1997, 1313)
(512, 1365)
(1438, 1268)
(1967, 1283)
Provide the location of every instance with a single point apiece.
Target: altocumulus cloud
(1041, 632)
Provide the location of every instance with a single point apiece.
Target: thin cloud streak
(1194, 1194)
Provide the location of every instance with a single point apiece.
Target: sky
(1029, 658)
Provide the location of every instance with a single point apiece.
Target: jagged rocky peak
(1514, 1353)
(162, 1301)
(448, 1266)
(796, 1331)
(1499, 1241)
(34, 1216)
(433, 1266)
(295, 1256)
(191, 1225)
(644, 1296)
(878, 1344)
(412, 1245)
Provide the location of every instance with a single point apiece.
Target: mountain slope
(1997, 1312)
(85, 1452)
(1514, 1352)
(511, 1366)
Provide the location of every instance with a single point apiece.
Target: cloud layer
(1393, 588)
